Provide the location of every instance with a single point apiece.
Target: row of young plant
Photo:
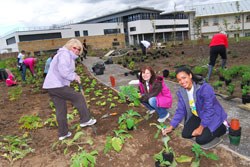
(130, 119)
(82, 157)
(19, 147)
(235, 76)
(167, 156)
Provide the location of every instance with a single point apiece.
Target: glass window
(11, 40)
(215, 21)
(237, 19)
(205, 22)
(85, 33)
(132, 29)
(77, 33)
(111, 31)
(248, 18)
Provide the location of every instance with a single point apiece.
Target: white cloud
(31, 13)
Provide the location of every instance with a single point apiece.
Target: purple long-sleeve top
(208, 107)
(62, 69)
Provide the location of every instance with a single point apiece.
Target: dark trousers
(85, 52)
(206, 136)
(143, 49)
(215, 51)
(59, 96)
(23, 71)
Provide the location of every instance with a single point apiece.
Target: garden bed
(136, 151)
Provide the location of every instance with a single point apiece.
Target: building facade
(141, 23)
(135, 24)
(206, 20)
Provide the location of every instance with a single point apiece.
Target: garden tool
(108, 115)
(94, 128)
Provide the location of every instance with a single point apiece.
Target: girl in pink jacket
(10, 81)
(155, 95)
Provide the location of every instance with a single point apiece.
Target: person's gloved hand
(143, 98)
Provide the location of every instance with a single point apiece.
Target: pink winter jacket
(30, 62)
(164, 98)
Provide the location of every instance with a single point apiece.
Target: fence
(8, 55)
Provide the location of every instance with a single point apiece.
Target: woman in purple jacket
(203, 115)
(57, 82)
(155, 95)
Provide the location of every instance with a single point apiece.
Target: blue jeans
(23, 72)
(152, 105)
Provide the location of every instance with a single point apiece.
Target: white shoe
(66, 136)
(163, 119)
(89, 123)
(150, 112)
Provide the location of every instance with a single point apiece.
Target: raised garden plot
(138, 146)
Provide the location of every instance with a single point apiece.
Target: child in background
(10, 81)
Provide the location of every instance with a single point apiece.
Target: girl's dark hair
(196, 78)
(153, 75)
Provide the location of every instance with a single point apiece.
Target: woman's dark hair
(196, 78)
(153, 75)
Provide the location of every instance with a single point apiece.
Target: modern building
(207, 19)
(138, 23)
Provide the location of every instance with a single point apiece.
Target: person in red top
(28, 63)
(218, 45)
(10, 81)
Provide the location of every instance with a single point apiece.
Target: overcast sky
(32, 13)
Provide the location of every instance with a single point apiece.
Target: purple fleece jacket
(208, 107)
(62, 69)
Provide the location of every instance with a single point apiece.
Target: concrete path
(231, 106)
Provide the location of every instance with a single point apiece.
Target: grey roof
(122, 13)
(221, 8)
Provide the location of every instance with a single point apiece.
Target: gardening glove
(144, 98)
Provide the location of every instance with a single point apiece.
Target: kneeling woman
(155, 94)
(197, 104)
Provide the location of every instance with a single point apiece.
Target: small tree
(197, 27)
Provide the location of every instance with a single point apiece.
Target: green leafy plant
(117, 141)
(245, 78)
(84, 159)
(75, 141)
(30, 122)
(51, 121)
(128, 119)
(245, 90)
(93, 83)
(159, 128)
(98, 92)
(166, 155)
(15, 93)
(172, 74)
(14, 147)
(112, 105)
(230, 88)
(200, 70)
(130, 93)
(131, 65)
(227, 74)
(196, 148)
(217, 84)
